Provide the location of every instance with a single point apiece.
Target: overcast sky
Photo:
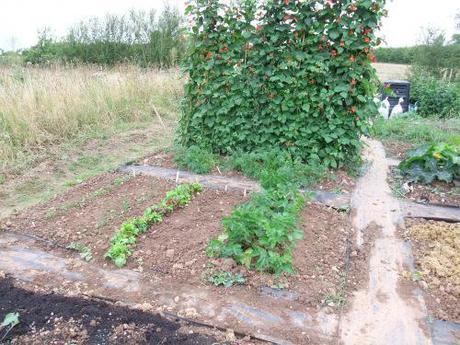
(21, 19)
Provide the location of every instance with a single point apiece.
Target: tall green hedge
(292, 74)
(139, 37)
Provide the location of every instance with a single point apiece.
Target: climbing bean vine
(292, 74)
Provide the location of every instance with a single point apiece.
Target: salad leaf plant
(123, 241)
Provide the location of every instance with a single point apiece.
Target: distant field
(388, 71)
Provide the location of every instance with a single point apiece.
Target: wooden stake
(158, 115)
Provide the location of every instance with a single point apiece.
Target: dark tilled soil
(397, 149)
(47, 318)
(440, 193)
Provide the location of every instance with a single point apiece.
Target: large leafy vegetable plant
(432, 162)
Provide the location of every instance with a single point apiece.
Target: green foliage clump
(261, 234)
(126, 237)
(418, 130)
(275, 167)
(9, 322)
(400, 55)
(300, 80)
(225, 278)
(434, 97)
(432, 162)
(196, 159)
(137, 37)
(85, 252)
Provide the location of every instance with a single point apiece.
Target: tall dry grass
(40, 107)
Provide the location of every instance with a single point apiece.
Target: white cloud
(20, 20)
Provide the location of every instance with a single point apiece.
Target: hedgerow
(291, 74)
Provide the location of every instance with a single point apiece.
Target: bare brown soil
(91, 212)
(438, 192)
(175, 249)
(436, 248)
(396, 149)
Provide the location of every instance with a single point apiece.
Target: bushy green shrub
(400, 55)
(434, 97)
(261, 234)
(137, 37)
(300, 80)
(195, 158)
(275, 167)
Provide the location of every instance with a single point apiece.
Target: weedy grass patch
(195, 158)
(417, 130)
(123, 241)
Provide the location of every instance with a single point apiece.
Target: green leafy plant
(196, 159)
(9, 322)
(85, 252)
(434, 97)
(123, 241)
(262, 233)
(432, 162)
(335, 300)
(300, 79)
(225, 278)
(274, 167)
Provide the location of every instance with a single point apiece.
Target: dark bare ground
(48, 318)
(438, 192)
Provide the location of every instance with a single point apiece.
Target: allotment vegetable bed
(173, 252)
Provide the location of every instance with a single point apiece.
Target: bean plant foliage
(293, 74)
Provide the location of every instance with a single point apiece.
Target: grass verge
(417, 130)
(61, 126)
